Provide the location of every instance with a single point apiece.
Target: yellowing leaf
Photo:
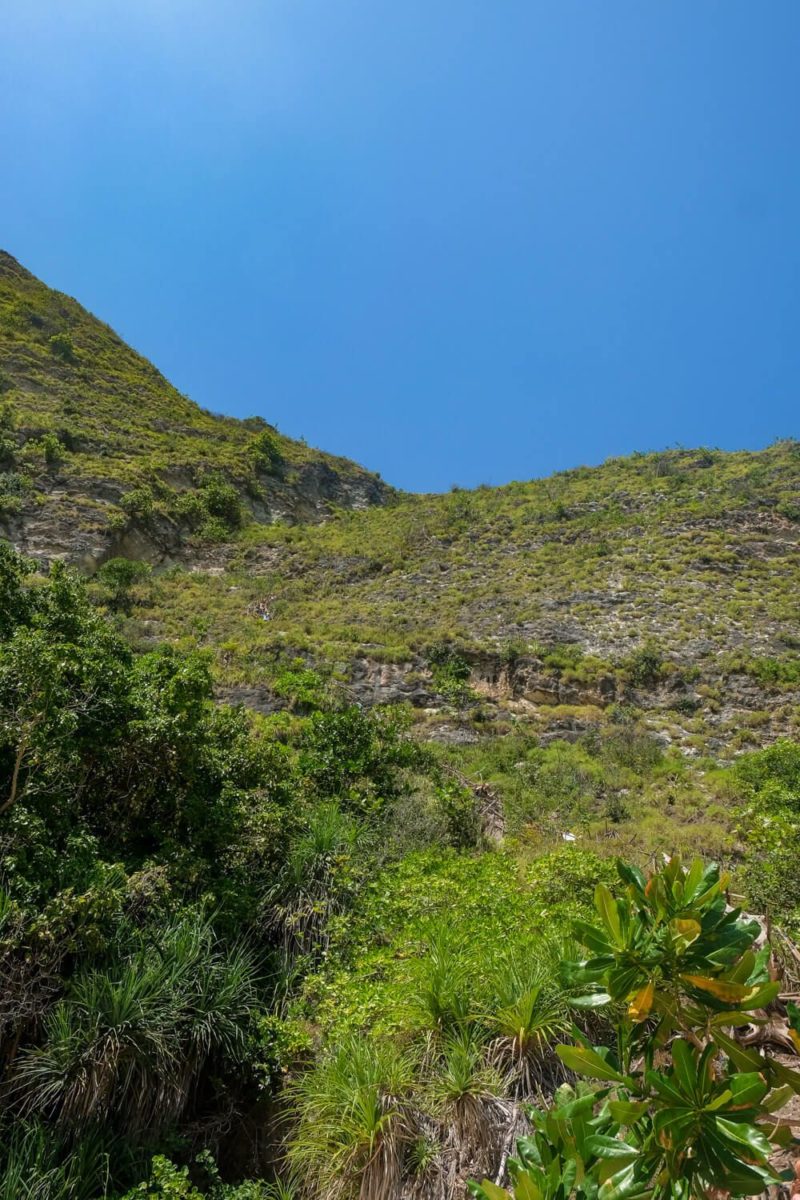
(731, 993)
(491, 1191)
(687, 929)
(642, 1002)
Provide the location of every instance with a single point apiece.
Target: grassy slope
(119, 422)
(697, 550)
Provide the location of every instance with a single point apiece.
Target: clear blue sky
(459, 241)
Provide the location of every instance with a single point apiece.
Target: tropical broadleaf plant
(681, 1110)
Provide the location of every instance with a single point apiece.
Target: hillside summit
(100, 455)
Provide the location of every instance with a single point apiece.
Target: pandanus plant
(353, 1122)
(529, 1016)
(680, 1109)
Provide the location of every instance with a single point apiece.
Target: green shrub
(266, 452)
(769, 782)
(451, 672)
(139, 501)
(214, 509)
(305, 689)
(221, 500)
(645, 667)
(769, 671)
(14, 488)
(458, 806)
(789, 509)
(62, 346)
(51, 448)
(561, 658)
(671, 950)
(118, 576)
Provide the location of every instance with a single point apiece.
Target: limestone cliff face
(64, 517)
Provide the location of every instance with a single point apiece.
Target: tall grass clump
(353, 1122)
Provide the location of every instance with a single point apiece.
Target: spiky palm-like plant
(39, 1166)
(353, 1122)
(529, 1017)
(313, 881)
(461, 1083)
(441, 999)
(107, 1047)
(129, 1043)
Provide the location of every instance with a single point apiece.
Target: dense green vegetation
(167, 867)
(663, 581)
(281, 948)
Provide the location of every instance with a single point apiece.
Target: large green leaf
(585, 1061)
(742, 995)
(725, 1169)
(590, 1000)
(526, 1187)
(685, 1068)
(778, 1098)
(591, 936)
(626, 1112)
(610, 1147)
(693, 882)
(748, 1088)
(624, 1185)
(665, 1087)
(725, 1018)
(744, 1135)
(786, 1075)
(624, 980)
(632, 876)
(490, 1191)
(746, 1059)
(606, 906)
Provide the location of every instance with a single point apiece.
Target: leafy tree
(266, 452)
(221, 500)
(17, 602)
(451, 672)
(62, 683)
(645, 667)
(358, 757)
(770, 818)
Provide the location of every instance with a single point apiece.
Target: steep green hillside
(99, 454)
(670, 579)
